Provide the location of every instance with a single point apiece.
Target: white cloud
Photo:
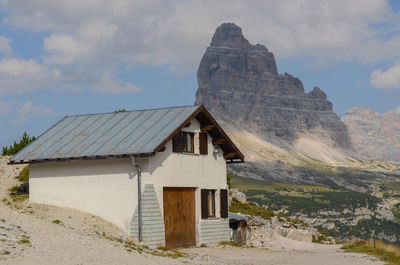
(176, 32)
(386, 80)
(27, 110)
(110, 84)
(22, 76)
(25, 76)
(5, 47)
(64, 49)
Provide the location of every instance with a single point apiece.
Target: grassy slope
(390, 254)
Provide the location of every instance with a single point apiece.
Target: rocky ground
(40, 234)
(277, 232)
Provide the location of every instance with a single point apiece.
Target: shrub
(16, 147)
(57, 222)
(14, 189)
(318, 239)
(23, 176)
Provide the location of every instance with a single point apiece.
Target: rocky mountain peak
(229, 35)
(228, 38)
(239, 83)
(374, 135)
(317, 93)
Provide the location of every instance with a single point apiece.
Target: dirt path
(329, 255)
(46, 235)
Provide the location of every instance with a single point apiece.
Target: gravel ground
(39, 234)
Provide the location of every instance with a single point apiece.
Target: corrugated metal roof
(92, 135)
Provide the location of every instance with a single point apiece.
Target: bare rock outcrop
(240, 85)
(374, 135)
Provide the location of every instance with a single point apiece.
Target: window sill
(188, 153)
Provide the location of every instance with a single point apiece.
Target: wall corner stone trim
(153, 227)
(214, 231)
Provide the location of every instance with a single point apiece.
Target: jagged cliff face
(239, 83)
(374, 135)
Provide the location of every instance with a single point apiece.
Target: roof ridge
(116, 112)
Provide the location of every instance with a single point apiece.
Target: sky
(70, 57)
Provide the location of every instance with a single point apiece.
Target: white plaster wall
(108, 188)
(102, 187)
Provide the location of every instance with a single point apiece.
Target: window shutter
(204, 207)
(177, 143)
(224, 203)
(203, 145)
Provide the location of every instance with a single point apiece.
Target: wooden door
(179, 217)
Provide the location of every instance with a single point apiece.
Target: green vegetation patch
(245, 184)
(365, 228)
(168, 252)
(390, 189)
(296, 199)
(396, 212)
(228, 243)
(229, 180)
(13, 189)
(59, 222)
(19, 197)
(388, 253)
(250, 209)
(23, 176)
(314, 202)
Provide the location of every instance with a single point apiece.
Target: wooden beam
(229, 155)
(207, 127)
(218, 141)
(188, 124)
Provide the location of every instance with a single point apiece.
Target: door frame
(194, 228)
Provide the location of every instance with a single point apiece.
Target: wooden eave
(210, 125)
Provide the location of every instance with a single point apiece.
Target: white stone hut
(177, 156)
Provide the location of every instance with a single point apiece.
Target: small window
(183, 142)
(207, 203)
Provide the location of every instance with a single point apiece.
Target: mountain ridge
(374, 135)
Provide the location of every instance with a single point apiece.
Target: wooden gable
(208, 124)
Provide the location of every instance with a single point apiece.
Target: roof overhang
(80, 158)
